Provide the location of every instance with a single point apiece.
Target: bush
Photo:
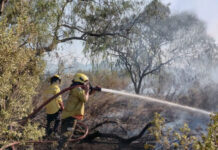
(182, 139)
(19, 76)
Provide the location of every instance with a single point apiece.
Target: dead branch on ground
(92, 136)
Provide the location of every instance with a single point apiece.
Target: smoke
(195, 121)
(213, 74)
(192, 78)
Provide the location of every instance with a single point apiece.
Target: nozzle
(93, 89)
(97, 88)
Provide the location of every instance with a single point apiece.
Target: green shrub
(183, 139)
(19, 76)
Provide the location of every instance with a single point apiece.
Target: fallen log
(107, 122)
(92, 136)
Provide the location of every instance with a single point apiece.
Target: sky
(206, 10)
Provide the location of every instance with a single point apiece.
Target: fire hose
(48, 141)
(33, 114)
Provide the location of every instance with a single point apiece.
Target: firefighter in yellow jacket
(54, 108)
(74, 108)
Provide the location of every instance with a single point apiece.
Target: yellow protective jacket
(75, 104)
(53, 106)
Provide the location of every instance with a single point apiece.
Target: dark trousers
(56, 117)
(68, 126)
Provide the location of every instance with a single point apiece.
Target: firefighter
(74, 108)
(55, 107)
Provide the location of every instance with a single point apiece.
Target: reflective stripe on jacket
(75, 104)
(53, 106)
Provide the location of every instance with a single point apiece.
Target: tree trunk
(138, 87)
(137, 90)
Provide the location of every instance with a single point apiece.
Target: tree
(19, 76)
(195, 66)
(60, 21)
(140, 56)
(158, 39)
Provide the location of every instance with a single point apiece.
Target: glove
(93, 89)
(86, 88)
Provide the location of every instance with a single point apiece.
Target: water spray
(155, 100)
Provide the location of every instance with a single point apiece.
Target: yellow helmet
(54, 78)
(80, 77)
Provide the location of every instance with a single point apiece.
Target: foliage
(42, 13)
(182, 139)
(209, 141)
(19, 76)
(59, 21)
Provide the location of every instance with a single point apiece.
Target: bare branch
(107, 122)
(102, 123)
(90, 33)
(80, 29)
(72, 38)
(158, 67)
(24, 43)
(94, 135)
(2, 5)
